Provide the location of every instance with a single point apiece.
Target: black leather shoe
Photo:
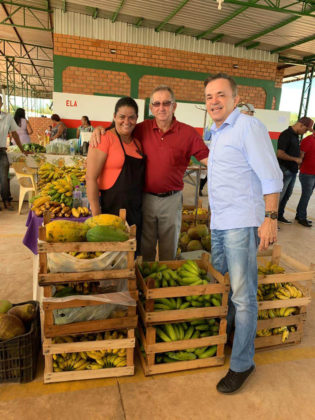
(309, 221)
(233, 381)
(305, 223)
(284, 220)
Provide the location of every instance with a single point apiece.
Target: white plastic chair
(26, 179)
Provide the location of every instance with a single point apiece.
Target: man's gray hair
(161, 88)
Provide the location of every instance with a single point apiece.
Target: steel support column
(306, 91)
(10, 70)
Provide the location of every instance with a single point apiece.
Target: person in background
(307, 178)
(48, 131)
(7, 124)
(247, 109)
(289, 158)
(245, 183)
(24, 127)
(85, 126)
(116, 168)
(59, 128)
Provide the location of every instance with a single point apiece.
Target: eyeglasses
(166, 104)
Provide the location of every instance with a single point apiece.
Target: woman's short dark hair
(19, 114)
(87, 119)
(222, 76)
(124, 101)
(55, 117)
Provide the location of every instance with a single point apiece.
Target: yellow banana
(282, 311)
(289, 311)
(285, 335)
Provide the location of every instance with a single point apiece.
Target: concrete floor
(283, 386)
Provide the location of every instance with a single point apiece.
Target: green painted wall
(137, 72)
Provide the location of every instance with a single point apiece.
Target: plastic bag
(114, 302)
(66, 263)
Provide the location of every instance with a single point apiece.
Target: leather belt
(166, 194)
(3, 149)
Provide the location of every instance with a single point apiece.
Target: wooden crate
(151, 347)
(192, 217)
(301, 277)
(49, 349)
(150, 317)
(45, 278)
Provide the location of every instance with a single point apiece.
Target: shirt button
(162, 138)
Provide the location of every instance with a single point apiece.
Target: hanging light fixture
(220, 4)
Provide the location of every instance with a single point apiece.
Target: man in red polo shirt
(168, 145)
(307, 178)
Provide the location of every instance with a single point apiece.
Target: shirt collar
(229, 121)
(174, 123)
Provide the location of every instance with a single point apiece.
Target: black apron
(127, 191)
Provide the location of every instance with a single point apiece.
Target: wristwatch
(272, 214)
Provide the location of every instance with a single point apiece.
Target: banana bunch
(69, 289)
(193, 211)
(85, 255)
(80, 211)
(273, 313)
(189, 274)
(270, 268)
(75, 171)
(59, 190)
(90, 360)
(184, 355)
(275, 331)
(194, 301)
(188, 330)
(278, 291)
(48, 172)
(54, 208)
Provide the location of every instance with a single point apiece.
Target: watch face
(273, 216)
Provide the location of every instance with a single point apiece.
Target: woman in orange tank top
(116, 168)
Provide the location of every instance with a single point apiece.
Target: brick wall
(91, 81)
(39, 126)
(193, 90)
(75, 46)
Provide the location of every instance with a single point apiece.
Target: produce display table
(33, 223)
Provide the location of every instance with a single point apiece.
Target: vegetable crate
(47, 280)
(189, 213)
(149, 350)
(219, 285)
(18, 356)
(88, 359)
(296, 275)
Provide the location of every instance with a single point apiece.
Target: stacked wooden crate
(126, 323)
(150, 319)
(300, 277)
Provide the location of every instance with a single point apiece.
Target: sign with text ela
(99, 109)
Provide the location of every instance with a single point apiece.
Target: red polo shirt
(308, 147)
(168, 154)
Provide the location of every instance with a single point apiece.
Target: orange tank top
(110, 145)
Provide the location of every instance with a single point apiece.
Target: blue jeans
(234, 250)
(288, 185)
(4, 175)
(308, 185)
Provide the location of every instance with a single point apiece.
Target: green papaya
(103, 233)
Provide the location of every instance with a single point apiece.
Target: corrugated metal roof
(195, 16)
